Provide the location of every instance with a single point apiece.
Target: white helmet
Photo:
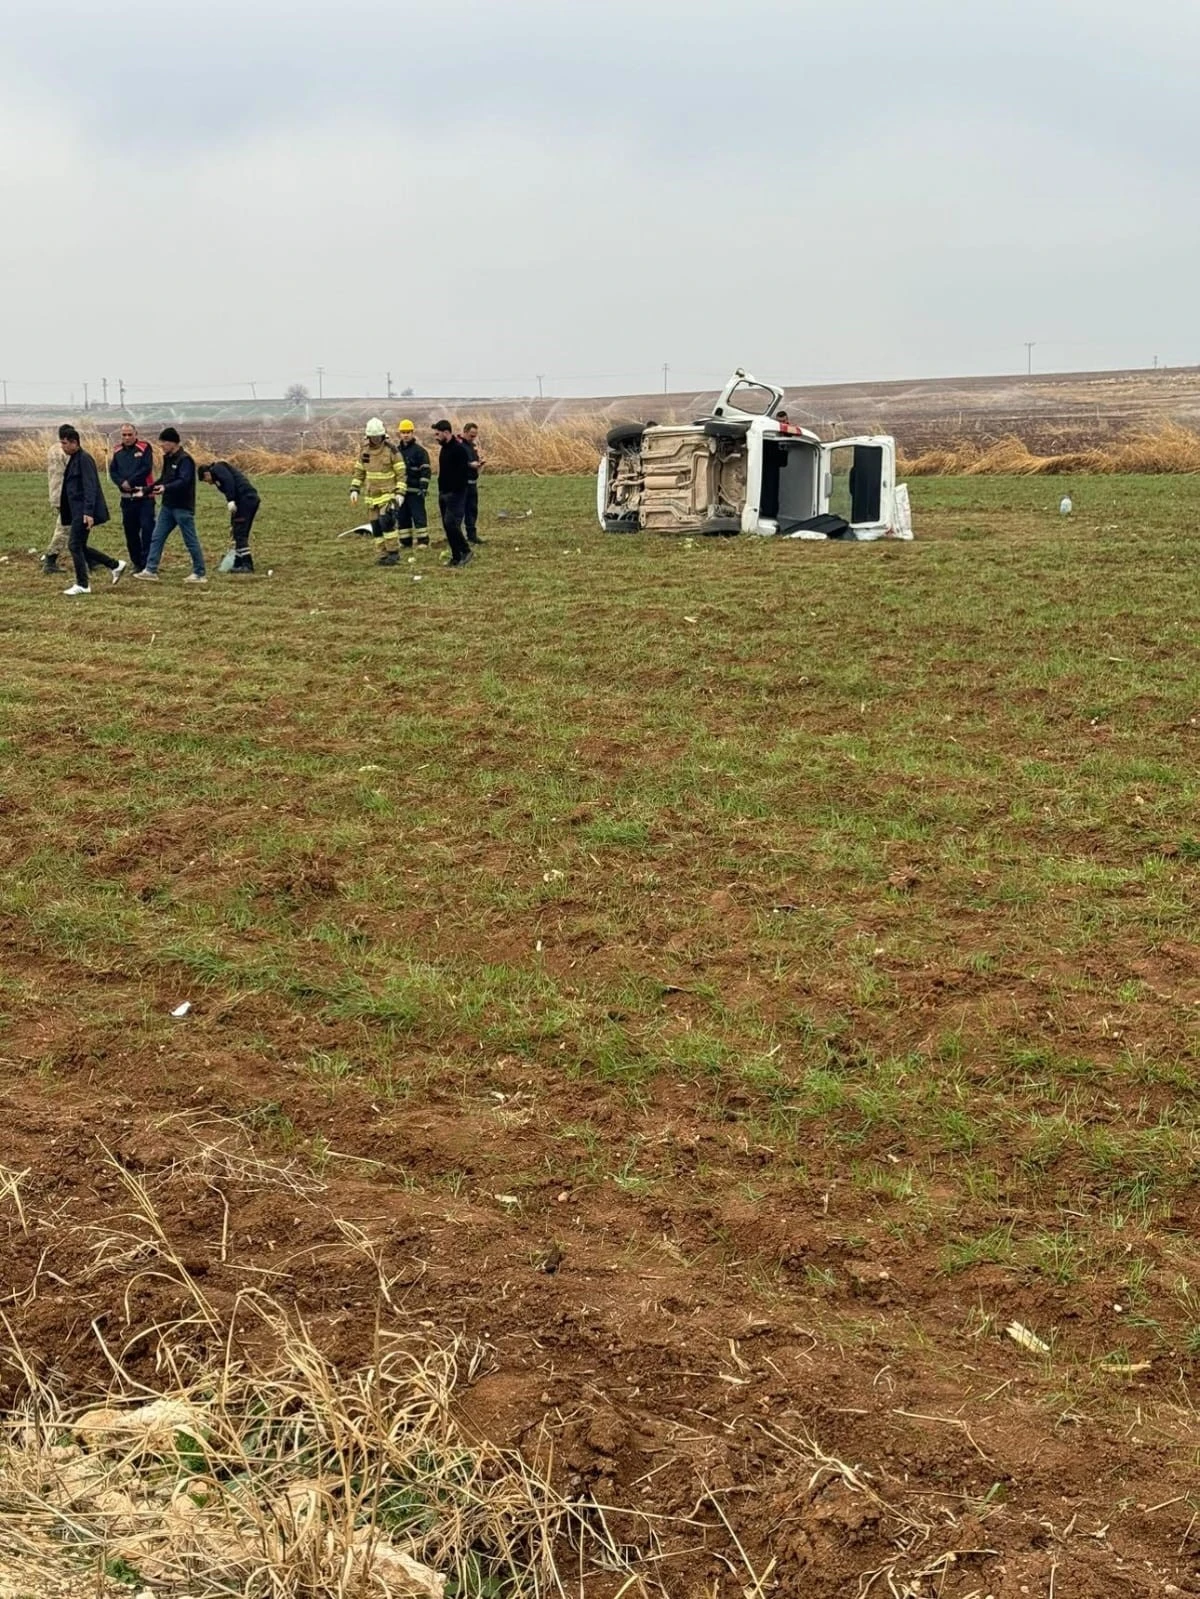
(375, 428)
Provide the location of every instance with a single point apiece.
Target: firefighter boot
(50, 566)
(243, 561)
(389, 558)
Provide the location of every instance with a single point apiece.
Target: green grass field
(817, 922)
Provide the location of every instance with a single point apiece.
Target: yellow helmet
(407, 427)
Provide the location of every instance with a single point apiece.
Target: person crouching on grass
(82, 508)
(177, 485)
(241, 497)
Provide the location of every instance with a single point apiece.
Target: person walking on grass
(177, 487)
(82, 508)
(454, 474)
(241, 497)
(413, 520)
(470, 439)
(56, 466)
(132, 470)
(380, 476)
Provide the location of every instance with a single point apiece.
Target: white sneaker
(146, 575)
(75, 589)
(119, 570)
(195, 577)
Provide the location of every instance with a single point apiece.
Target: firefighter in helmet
(381, 480)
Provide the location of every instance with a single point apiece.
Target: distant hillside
(1051, 413)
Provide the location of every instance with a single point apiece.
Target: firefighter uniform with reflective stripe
(380, 479)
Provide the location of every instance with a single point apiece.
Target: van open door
(745, 399)
(860, 483)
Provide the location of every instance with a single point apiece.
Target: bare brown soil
(627, 1352)
(751, 1348)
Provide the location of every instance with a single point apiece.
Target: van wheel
(723, 527)
(627, 433)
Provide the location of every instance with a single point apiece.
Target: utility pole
(85, 400)
(1029, 344)
(540, 376)
(320, 383)
(391, 393)
(104, 388)
(666, 369)
(1156, 363)
(121, 391)
(253, 387)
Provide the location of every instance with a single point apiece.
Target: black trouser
(85, 555)
(242, 520)
(453, 508)
(411, 515)
(137, 517)
(471, 511)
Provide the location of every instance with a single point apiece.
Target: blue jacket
(133, 464)
(81, 492)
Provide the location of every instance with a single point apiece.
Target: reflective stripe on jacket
(380, 474)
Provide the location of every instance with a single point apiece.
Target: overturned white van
(742, 470)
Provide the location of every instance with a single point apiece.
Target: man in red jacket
(132, 470)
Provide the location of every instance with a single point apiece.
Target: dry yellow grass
(256, 1465)
(574, 447)
(1169, 448)
(560, 449)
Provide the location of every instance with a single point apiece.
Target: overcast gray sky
(198, 197)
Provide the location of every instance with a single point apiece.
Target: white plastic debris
(1064, 505)
(1027, 1340)
(182, 1010)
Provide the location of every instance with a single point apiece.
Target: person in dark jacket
(177, 486)
(470, 439)
(241, 497)
(82, 508)
(454, 474)
(413, 520)
(132, 470)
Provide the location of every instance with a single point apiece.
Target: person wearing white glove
(241, 498)
(381, 478)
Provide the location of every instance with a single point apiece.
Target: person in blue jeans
(177, 486)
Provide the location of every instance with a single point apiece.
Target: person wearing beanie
(241, 497)
(413, 521)
(454, 474)
(177, 488)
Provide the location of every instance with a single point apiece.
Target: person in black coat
(82, 508)
(132, 471)
(242, 499)
(470, 439)
(412, 520)
(454, 476)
